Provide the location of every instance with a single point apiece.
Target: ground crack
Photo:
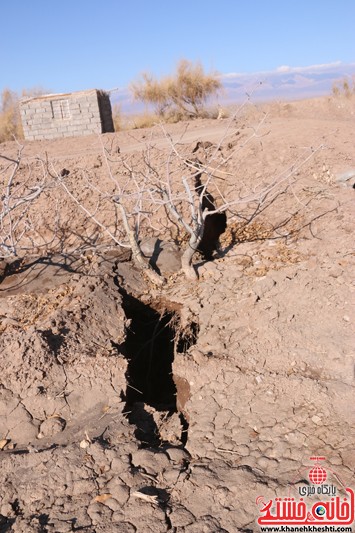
(153, 338)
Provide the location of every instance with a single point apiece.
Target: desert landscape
(137, 403)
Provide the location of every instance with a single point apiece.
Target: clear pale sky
(70, 45)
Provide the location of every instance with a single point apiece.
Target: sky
(82, 44)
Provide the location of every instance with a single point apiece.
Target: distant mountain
(284, 83)
(288, 83)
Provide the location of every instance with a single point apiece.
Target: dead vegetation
(183, 192)
(344, 88)
(10, 119)
(178, 96)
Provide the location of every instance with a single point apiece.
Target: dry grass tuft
(10, 120)
(344, 87)
(145, 120)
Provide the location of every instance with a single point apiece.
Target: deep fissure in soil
(149, 349)
(151, 341)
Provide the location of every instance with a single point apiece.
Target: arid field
(132, 407)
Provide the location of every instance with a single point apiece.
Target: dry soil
(130, 408)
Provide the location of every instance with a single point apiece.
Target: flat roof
(55, 96)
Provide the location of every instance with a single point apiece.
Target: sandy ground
(128, 408)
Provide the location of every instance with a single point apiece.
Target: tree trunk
(186, 258)
(137, 256)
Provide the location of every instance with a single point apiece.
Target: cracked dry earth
(124, 408)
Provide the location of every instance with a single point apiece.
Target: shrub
(344, 87)
(117, 117)
(151, 91)
(144, 120)
(184, 93)
(10, 120)
(191, 87)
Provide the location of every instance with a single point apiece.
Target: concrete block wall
(66, 115)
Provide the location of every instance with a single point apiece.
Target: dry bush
(344, 87)
(148, 120)
(10, 120)
(166, 188)
(190, 88)
(145, 120)
(20, 190)
(152, 91)
(175, 191)
(184, 93)
(117, 117)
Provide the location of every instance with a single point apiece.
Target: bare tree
(166, 187)
(18, 233)
(128, 199)
(202, 206)
(160, 187)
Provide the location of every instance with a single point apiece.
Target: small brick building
(66, 115)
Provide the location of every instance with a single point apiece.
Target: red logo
(317, 475)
